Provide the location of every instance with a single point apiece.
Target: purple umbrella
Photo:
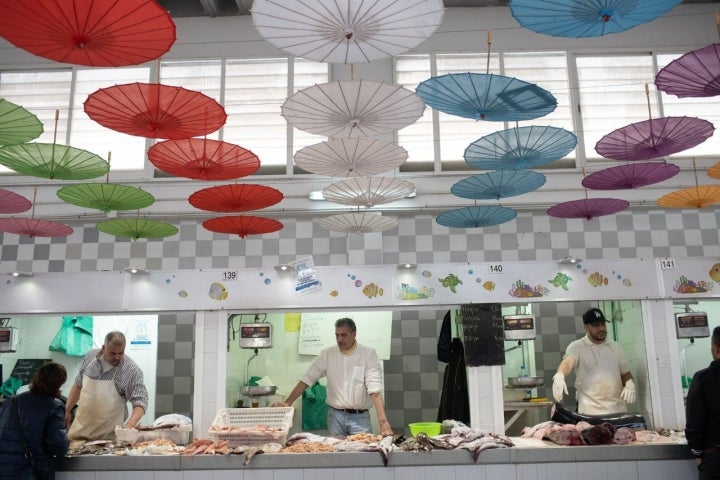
(588, 208)
(633, 175)
(654, 138)
(695, 74)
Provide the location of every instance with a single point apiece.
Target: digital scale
(8, 339)
(692, 325)
(519, 327)
(255, 335)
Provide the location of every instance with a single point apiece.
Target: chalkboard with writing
(483, 334)
(317, 331)
(25, 368)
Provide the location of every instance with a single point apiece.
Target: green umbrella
(106, 196)
(17, 125)
(50, 160)
(137, 228)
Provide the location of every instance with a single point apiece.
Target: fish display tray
(279, 419)
(180, 434)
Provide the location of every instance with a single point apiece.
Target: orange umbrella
(699, 196)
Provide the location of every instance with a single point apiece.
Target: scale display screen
(519, 327)
(692, 325)
(256, 335)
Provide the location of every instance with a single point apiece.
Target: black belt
(350, 410)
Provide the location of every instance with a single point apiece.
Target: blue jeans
(344, 423)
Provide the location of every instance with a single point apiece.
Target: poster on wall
(306, 276)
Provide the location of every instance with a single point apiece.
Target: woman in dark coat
(42, 420)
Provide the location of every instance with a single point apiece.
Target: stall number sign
(495, 268)
(667, 264)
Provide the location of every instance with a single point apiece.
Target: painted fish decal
(372, 290)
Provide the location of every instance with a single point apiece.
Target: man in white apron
(107, 380)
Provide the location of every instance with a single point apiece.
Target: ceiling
(221, 8)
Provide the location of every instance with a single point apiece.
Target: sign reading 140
(495, 268)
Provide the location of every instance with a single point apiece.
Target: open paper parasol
(368, 191)
(346, 32)
(358, 222)
(203, 159)
(87, 32)
(235, 198)
(50, 160)
(242, 225)
(497, 185)
(587, 18)
(632, 175)
(33, 227)
(520, 148)
(699, 196)
(714, 171)
(654, 138)
(695, 74)
(486, 96)
(588, 208)
(153, 110)
(352, 108)
(351, 157)
(476, 216)
(106, 197)
(11, 202)
(17, 125)
(136, 228)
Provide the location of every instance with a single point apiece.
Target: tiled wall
(413, 374)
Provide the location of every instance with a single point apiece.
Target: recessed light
(407, 265)
(568, 261)
(21, 274)
(136, 271)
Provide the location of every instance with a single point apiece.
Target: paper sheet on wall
(317, 331)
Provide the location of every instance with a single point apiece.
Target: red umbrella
(11, 202)
(32, 227)
(242, 225)
(153, 110)
(89, 32)
(235, 198)
(203, 159)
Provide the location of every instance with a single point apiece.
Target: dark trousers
(709, 468)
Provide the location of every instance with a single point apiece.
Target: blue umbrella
(587, 18)
(485, 96)
(474, 217)
(497, 185)
(520, 148)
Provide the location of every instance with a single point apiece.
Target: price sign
(667, 264)
(495, 268)
(229, 275)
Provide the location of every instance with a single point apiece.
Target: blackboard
(25, 368)
(483, 334)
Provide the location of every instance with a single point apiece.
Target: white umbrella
(352, 108)
(368, 191)
(346, 31)
(358, 222)
(351, 157)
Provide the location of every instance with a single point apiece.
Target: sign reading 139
(229, 275)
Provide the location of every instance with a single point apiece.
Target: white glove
(559, 387)
(628, 393)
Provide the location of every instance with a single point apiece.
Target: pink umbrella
(695, 74)
(33, 227)
(11, 202)
(588, 208)
(632, 175)
(654, 138)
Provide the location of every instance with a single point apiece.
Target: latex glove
(559, 387)
(628, 393)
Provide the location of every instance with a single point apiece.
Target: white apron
(100, 409)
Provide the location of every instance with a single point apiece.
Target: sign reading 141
(667, 264)
(495, 268)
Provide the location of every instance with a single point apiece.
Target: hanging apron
(101, 408)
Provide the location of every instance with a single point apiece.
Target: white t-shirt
(350, 378)
(598, 368)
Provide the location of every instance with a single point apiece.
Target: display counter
(540, 460)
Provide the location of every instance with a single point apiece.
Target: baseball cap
(594, 316)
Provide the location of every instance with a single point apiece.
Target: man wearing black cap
(603, 382)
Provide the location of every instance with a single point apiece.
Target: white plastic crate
(252, 426)
(180, 435)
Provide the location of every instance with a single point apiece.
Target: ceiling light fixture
(316, 195)
(21, 274)
(283, 268)
(136, 271)
(407, 265)
(569, 260)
